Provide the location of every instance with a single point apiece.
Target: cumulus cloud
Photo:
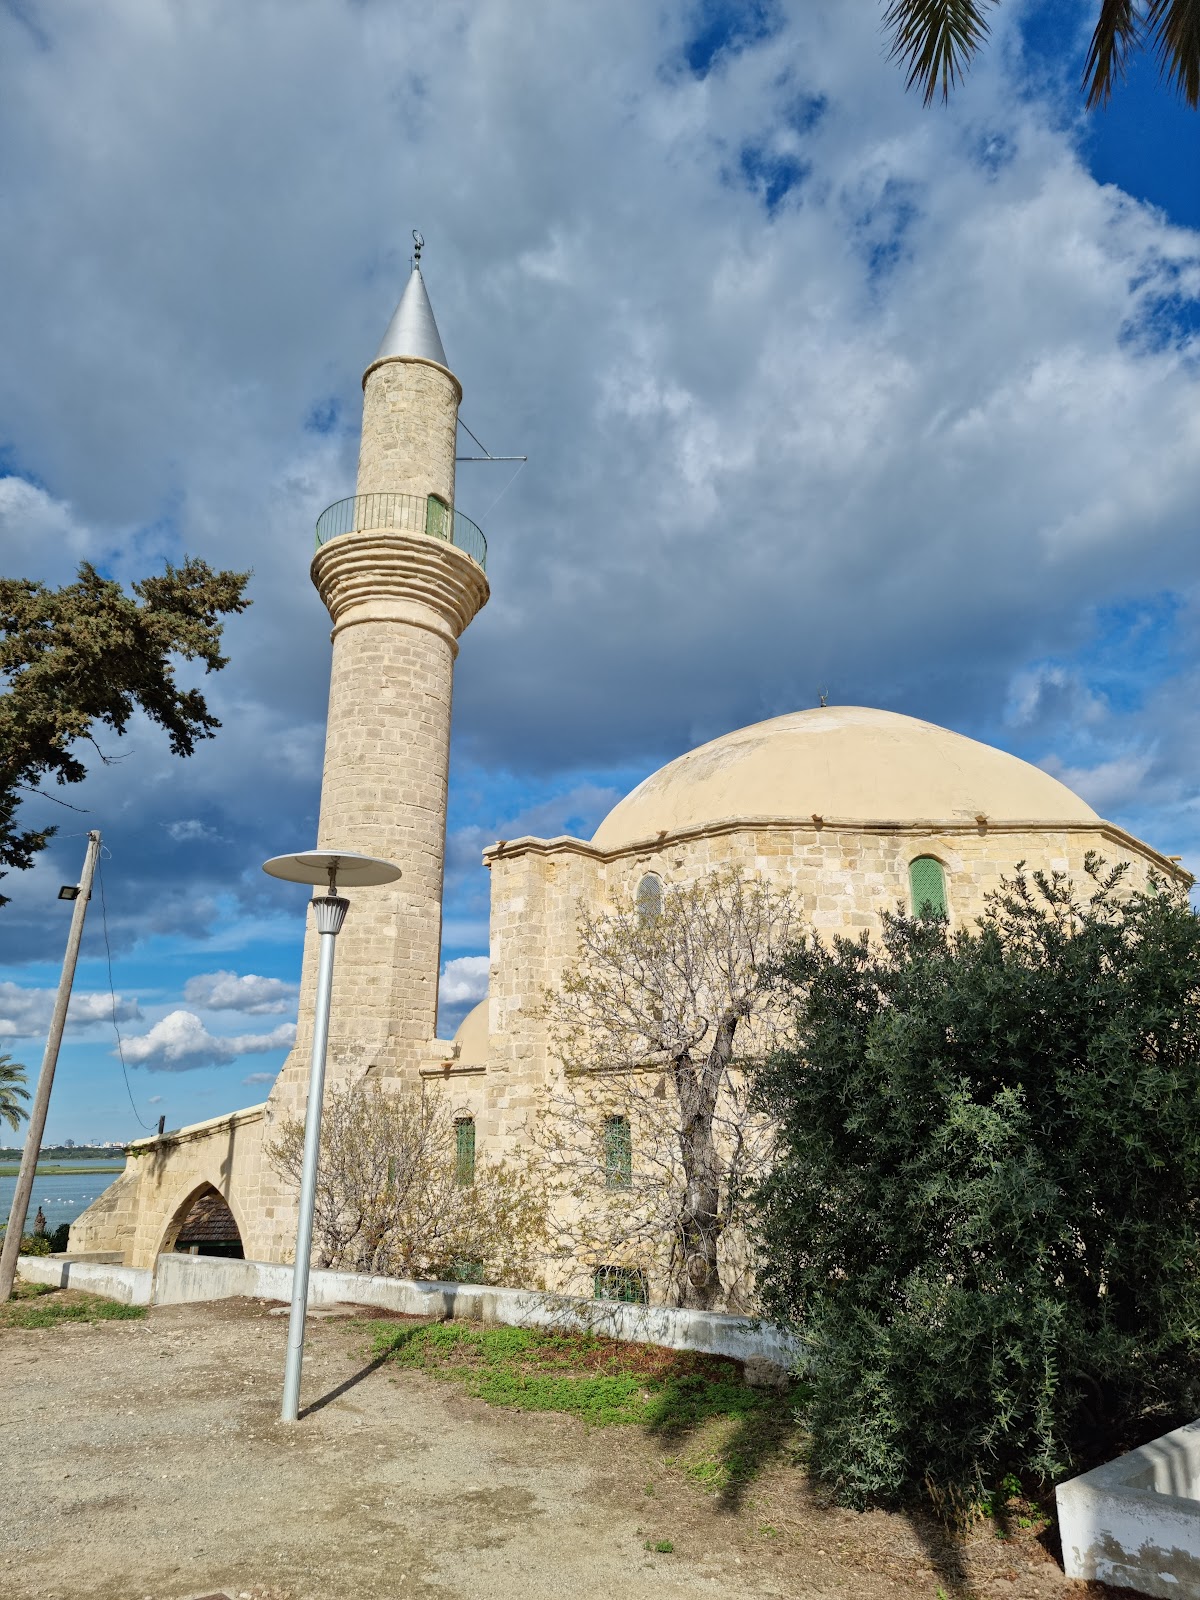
(820, 391)
(464, 980)
(188, 830)
(180, 1042)
(25, 1012)
(226, 991)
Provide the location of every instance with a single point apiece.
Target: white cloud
(25, 1013)
(180, 1042)
(188, 830)
(226, 991)
(253, 1078)
(1109, 786)
(464, 980)
(897, 438)
(154, 1100)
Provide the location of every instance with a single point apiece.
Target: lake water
(62, 1197)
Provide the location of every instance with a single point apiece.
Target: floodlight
(69, 891)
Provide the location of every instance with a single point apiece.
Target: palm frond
(1173, 27)
(936, 40)
(1117, 35)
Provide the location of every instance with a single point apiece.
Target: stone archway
(205, 1226)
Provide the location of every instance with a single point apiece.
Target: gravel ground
(144, 1461)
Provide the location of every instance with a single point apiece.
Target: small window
(649, 899)
(927, 882)
(618, 1153)
(437, 517)
(626, 1284)
(464, 1151)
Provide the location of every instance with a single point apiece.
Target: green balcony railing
(410, 513)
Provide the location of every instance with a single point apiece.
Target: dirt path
(144, 1459)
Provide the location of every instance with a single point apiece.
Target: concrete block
(1135, 1522)
(132, 1286)
(183, 1279)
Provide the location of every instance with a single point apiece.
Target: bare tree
(649, 1130)
(399, 1194)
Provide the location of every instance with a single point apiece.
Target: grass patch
(720, 1430)
(40, 1305)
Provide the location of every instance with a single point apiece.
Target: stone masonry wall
(410, 417)
(140, 1211)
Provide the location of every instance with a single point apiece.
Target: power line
(113, 993)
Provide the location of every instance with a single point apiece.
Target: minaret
(401, 573)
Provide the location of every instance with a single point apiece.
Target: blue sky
(821, 391)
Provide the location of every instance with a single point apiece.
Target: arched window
(618, 1153)
(464, 1150)
(205, 1226)
(927, 882)
(649, 899)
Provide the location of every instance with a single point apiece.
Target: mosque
(855, 810)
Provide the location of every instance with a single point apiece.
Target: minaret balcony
(407, 513)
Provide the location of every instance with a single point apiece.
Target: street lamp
(355, 872)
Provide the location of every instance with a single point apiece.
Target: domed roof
(845, 764)
(472, 1036)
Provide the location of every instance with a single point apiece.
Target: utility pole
(41, 1100)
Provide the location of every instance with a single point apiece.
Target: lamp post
(355, 872)
(80, 893)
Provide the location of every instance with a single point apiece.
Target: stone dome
(844, 764)
(472, 1036)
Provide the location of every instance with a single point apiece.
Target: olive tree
(982, 1213)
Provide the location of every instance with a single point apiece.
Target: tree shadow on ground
(761, 1426)
(943, 1547)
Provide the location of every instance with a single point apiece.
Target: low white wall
(1135, 1522)
(132, 1286)
(181, 1278)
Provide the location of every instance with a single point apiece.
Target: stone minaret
(401, 575)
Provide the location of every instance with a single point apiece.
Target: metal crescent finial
(418, 246)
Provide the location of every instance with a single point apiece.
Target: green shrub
(983, 1217)
(60, 1238)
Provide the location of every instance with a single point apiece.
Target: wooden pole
(41, 1100)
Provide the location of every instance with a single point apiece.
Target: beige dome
(472, 1036)
(845, 764)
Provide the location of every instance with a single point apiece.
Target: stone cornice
(374, 575)
(415, 361)
(920, 828)
(201, 1130)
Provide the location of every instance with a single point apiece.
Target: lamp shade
(346, 868)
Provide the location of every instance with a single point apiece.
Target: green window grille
(626, 1284)
(464, 1150)
(927, 881)
(649, 900)
(618, 1153)
(437, 518)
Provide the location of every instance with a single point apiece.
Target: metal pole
(41, 1100)
(331, 913)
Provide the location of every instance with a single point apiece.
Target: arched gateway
(204, 1226)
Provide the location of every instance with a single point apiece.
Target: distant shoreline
(55, 1169)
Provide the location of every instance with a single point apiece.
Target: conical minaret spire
(413, 330)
